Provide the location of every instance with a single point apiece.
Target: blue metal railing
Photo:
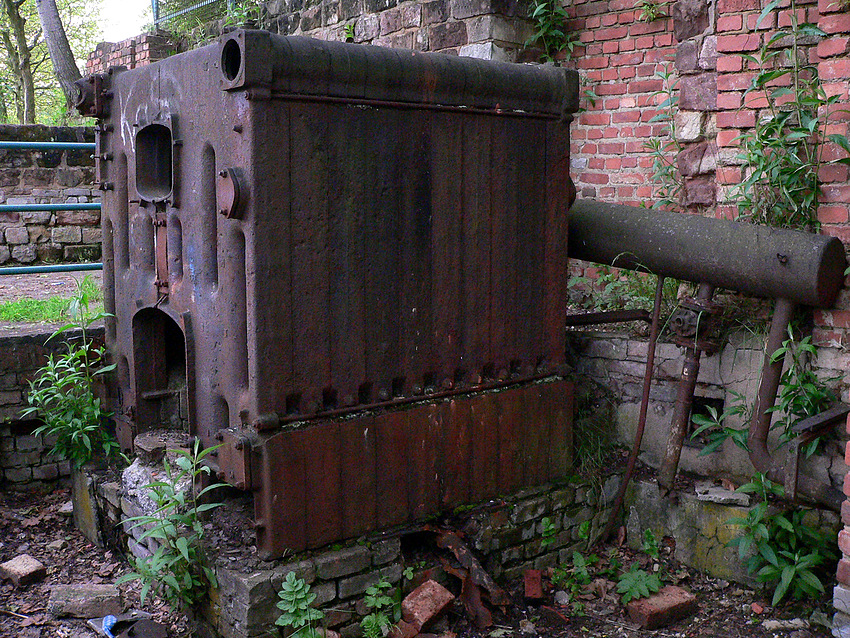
(29, 208)
(49, 268)
(47, 146)
(26, 208)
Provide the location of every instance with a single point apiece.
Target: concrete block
(85, 600)
(343, 562)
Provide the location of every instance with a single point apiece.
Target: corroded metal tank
(347, 264)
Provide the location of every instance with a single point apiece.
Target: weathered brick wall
(139, 51)
(47, 177)
(24, 458)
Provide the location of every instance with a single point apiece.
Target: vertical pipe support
(682, 411)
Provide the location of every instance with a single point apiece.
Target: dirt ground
(31, 523)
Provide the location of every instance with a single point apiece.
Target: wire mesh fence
(189, 13)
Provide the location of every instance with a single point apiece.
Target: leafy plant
(348, 30)
(801, 392)
(241, 12)
(63, 393)
(380, 603)
(615, 289)
(549, 21)
(714, 428)
(650, 10)
(637, 583)
(669, 183)
(548, 532)
(178, 567)
(780, 547)
(650, 544)
(783, 152)
(295, 604)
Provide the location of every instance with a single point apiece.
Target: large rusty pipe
(756, 260)
(791, 266)
(682, 409)
(760, 454)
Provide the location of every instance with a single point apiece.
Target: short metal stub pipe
(684, 401)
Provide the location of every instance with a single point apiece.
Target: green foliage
(550, 33)
(348, 30)
(380, 604)
(63, 395)
(714, 428)
(81, 19)
(801, 392)
(668, 182)
(178, 567)
(295, 605)
(650, 10)
(575, 578)
(650, 544)
(637, 583)
(780, 547)
(243, 12)
(615, 289)
(548, 533)
(783, 152)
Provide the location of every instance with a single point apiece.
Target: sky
(122, 19)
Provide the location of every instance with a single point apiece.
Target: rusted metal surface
(305, 232)
(685, 392)
(756, 260)
(608, 316)
(399, 466)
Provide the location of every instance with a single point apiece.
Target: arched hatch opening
(159, 354)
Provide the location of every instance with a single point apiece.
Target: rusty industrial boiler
(348, 265)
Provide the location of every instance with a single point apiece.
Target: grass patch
(50, 310)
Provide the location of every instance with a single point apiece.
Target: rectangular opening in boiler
(154, 162)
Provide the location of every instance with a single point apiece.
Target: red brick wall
(139, 51)
(703, 46)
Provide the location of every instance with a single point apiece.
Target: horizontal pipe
(48, 268)
(47, 146)
(756, 260)
(27, 208)
(608, 316)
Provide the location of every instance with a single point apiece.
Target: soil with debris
(32, 524)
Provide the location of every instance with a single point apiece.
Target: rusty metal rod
(682, 410)
(760, 454)
(609, 316)
(644, 405)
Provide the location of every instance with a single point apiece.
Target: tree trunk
(64, 65)
(21, 59)
(4, 109)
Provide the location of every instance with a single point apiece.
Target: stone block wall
(486, 29)
(24, 459)
(47, 177)
(617, 362)
(505, 535)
